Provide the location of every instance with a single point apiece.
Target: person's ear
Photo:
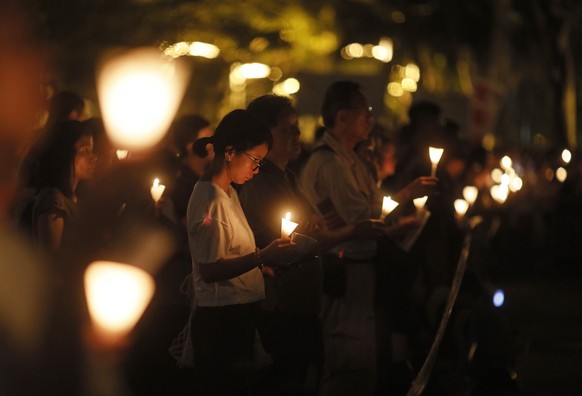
(340, 116)
(228, 153)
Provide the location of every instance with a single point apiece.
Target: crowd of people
(338, 307)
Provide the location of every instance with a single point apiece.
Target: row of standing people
(233, 241)
(238, 285)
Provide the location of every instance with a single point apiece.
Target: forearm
(225, 269)
(327, 239)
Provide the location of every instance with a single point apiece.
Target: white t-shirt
(218, 229)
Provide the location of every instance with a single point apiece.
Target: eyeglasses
(368, 109)
(257, 161)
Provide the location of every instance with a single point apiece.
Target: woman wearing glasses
(227, 267)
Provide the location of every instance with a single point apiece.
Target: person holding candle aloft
(334, 172)
(227, 267)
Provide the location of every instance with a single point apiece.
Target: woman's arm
(279, 250)
(224, 269)
(49, 230)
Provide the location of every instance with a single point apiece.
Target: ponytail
(199, 146)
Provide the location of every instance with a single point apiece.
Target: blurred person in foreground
(335, 173)
(27, 365)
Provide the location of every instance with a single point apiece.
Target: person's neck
(343, 139)
(218, 174)
(74, 185)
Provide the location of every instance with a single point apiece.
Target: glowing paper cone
(121, 154)
(287, 226)
(435, 155)
(117, 295)
(420, 202)
(157, 190)
(470, 194)
(388, 205)
(461, 207)
(139, 94)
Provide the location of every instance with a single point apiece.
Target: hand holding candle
(435, 156)
(157, 190)
(287, 226)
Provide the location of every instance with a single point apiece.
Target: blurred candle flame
(461, 206)
(157, 190)
(388, 205)
(117, 295)
(435, 156)
(470, 194)
(139, 94)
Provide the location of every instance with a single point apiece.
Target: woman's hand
(280, 250)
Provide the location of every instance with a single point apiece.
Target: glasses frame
(369, 109)
(257, 161)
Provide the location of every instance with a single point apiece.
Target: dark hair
(62, 104)
(57, 158)
(424, 110)
(239, 129)
(270, 108)
(185, 130)
(338, 96)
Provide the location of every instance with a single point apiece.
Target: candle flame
(435, 154)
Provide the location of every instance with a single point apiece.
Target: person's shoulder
(50, 193)
(50, 199)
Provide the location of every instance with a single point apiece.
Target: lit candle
(121, 154)
(157, 190)
(287, 226)
(139, 93)
(435, 156)
(388, 205)
(117, 295)
(461, 207)
(419, 202)
(470, 194)
(506, 162)
(499, 192)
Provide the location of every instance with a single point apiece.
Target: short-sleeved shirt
(218, 229)
(53, 201)
(340, 175)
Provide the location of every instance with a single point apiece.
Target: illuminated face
(359, 118)
(243, 165)
(286, 137)
(85, 159)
